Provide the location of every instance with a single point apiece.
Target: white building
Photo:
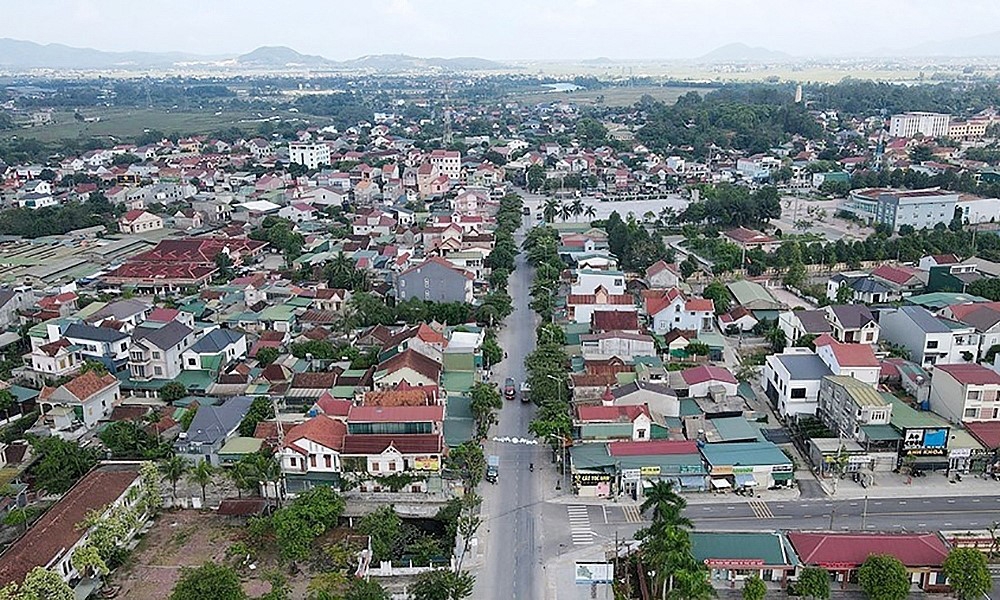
(930, 340)
(927, 124)
(965, 392)
(448, 162)
(309, 155)
(587, 282)
(791, 381)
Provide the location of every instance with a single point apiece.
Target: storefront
(734, 557)
(760, 465)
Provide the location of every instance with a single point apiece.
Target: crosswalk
(579, 525)
(632, 514)
(760, 509)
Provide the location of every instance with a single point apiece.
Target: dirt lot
(184, 538)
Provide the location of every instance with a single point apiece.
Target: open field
(617, 96)
(129, 123)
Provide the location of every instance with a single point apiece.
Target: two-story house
(157, 348)
(215, 350)
(211, 427)
(436, 280)
(621, 344)
(75, 407)
(670, 310)
(852, 323)
(846, 405)
(606, 423)
(54, 360)
(311, 454)
(581, 307)
(930, 340)
(101, 344)
(383, 441)
(409, 367)
(965, 392)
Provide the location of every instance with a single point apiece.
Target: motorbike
(531, 467)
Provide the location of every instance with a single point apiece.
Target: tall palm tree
(550, 210)
(202, 475)
(590, 212)
(577, 208)
(663, 500)
(173, 469)
(565, 213)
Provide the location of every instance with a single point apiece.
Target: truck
(492, 468)
(525, 392)
(509, 389)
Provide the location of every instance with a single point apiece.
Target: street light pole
(864, 514)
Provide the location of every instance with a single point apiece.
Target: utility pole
(833, 511)
(864, 514)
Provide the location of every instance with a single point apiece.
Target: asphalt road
(511, 532)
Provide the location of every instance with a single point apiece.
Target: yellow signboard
(650, 470)
(427, 463)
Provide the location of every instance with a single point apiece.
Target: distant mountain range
(18, 54)
(744, 53)
(979, 46)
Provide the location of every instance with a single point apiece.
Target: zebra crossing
(760, 509)
(579, 525)
(632, 514)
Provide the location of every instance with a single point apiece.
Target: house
(51, 542)
(613, 320)
(215, 351)
(791, 381)
(56, 359)
(985, 317)
(661, 275)
(310, 456)
(629, 467)
(436, 280)
(581, 307)
(102, 344)
(298, 212)
(736, 556)
(965, 392)
(922, 554)
(409, 367)
(660, 398)
(846, 405)
(211, 427)
(705, 380)
(747, 464)
(749, 239)
(852, 323)
(929, 339)
(622, 344)
(605, 423)
(903, 281)
(75, 407)
(852, 360)
(737, 320)
(139, 221)
(123, 315)
(671, 310)
(156, 349)
(381, 455)
(588, 281)
(12, 300)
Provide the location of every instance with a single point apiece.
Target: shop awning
(782, 476)
(745, 480)
(692, 481)
(721, 484)
(646, 484)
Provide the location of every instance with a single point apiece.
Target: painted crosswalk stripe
(579, 525)
(632, 514)
(760, 509)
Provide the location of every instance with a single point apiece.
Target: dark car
(509, 389)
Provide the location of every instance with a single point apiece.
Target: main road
(510, 536)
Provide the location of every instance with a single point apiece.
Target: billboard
(588, 573)
(925, 442)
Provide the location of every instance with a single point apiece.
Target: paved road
(512, 532)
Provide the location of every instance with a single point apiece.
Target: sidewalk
(559, 575)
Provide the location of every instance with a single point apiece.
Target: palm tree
(202, 475)
(665, 503)
(590, 212)
(577, 208)
(565, 212)
(551, 210)
(174, 468)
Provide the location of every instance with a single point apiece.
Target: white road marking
(579, 525)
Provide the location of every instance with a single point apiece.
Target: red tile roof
(699, 305)
(986, 433)
(395, 414)
(970, 374)
(653, 448)
(163, 315)
(430, 443)
(88, 384)
(53, 348)
(704, 373)
(896, 274)
(614, 320)
(848, 355)
(657, 300)
(333, 407)
(414, 360)
(57, 530)
(850, 550)
(613, 414)
(391, 398)
(321, 429)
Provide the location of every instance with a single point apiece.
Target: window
(641, 434)
(975, 395)
(392, 466)
(157, 370)
(932, 344)
(293, 461)
(971, 413)
(375, 466)
(312, 460)
(156, 355)
(328, 460)
(798, 393)
(192, 362)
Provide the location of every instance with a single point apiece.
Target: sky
(501, 29)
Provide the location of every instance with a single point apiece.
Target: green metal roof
(732, 429)
(458, 431)
(905, 416)
(459, 406)
(195, 380)
(279, 312)
(457, 381)
(747, 292)
(744, 453)
(938, 300)
(768, 547)
(689, 408)
(299, 301)
(712, 339)
(880, 433)
(625, 378)
(242, 445)
(459, 361)
(606, 431)
(211, 362)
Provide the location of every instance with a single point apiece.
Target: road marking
(975, 499)
(902, 501)
(605, 510)
(950, 501)
(579, 525)
(632, 514)
(760, 509)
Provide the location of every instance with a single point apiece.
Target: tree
(719, 295)
(128, 439)
(39, 584)
(61, 463)
(202, 475)
(883, 577)
(486, 401)
(968, 574)
(442, 584)
(535, 176)
(174, 469)
(754, 588)
(309, 516)
(365, 589)
(844, 294)
(492, 352)
(776, 338)
(468, 463)
(383, 525)
(210, 580)
(665, 503)
(261, 409)
(267, 355)
(689, 266)
(173, 391)
(814, 582)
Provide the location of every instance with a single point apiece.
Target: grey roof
(216, 341)
(923, 319)
(165, 336)
(813, 321)
(853, 316)
(119, 310)
(6, 295)
(869, 285)
(83, 331)
(804, 367)
(982, 318)
(656, 388)
(213, 423)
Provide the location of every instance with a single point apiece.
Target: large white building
(309, 154)
(448, 162)
(924, 123)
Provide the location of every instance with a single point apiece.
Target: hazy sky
(500, 29)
